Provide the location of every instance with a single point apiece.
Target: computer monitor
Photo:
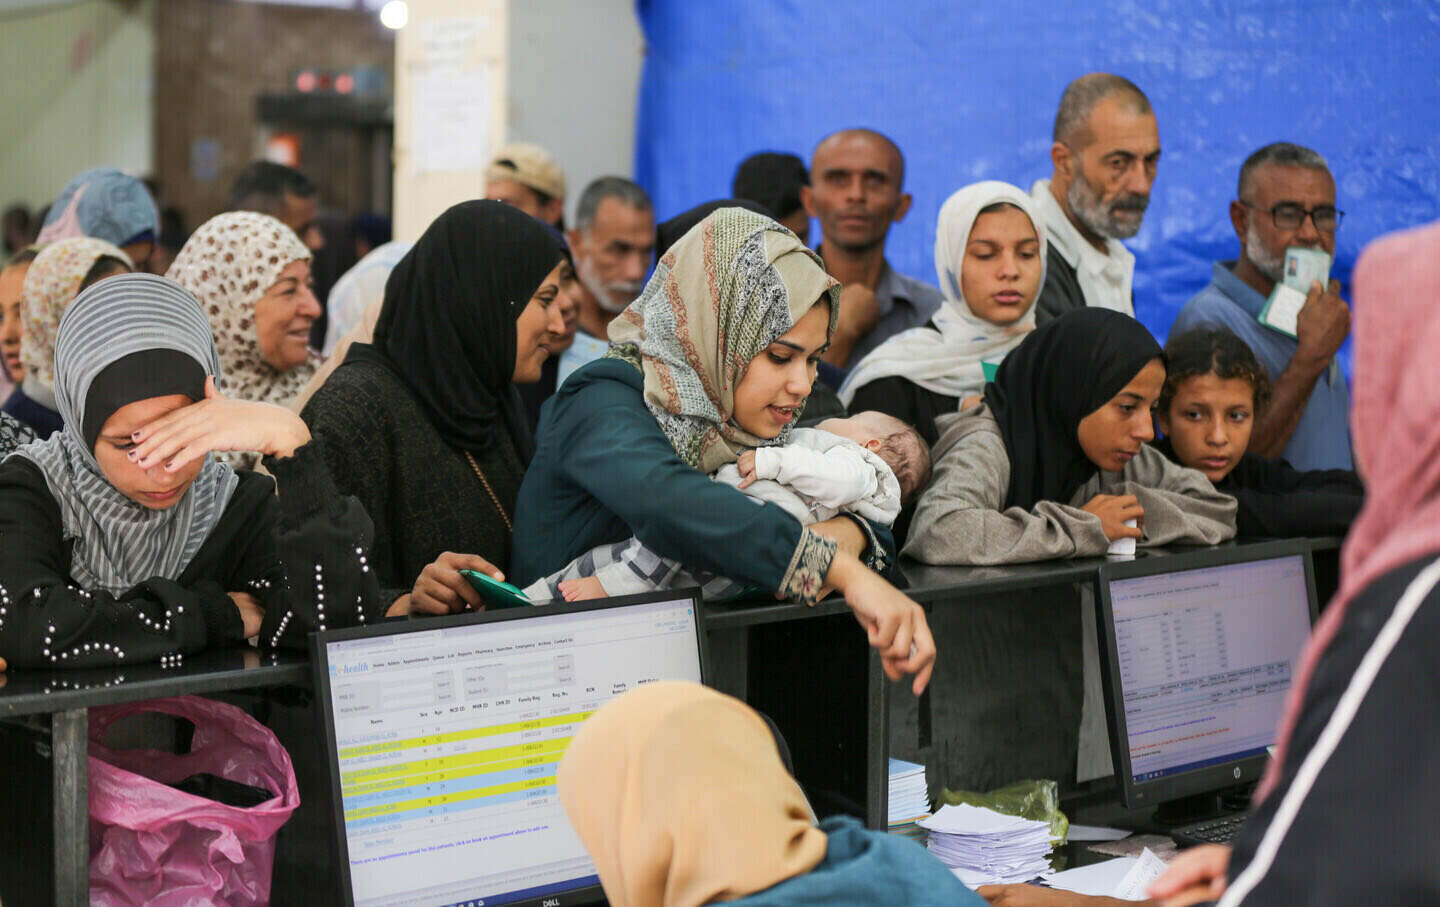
(443, 737)
(1198, 654)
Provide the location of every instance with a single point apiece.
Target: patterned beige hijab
(228, 264)
(718, 297)
(51, 284)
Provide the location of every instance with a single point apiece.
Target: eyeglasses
(1290, 216)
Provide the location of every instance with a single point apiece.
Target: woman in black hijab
(424, 425)
(1051, 465)
(1056, 461)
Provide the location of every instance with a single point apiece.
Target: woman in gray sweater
(1055, 462)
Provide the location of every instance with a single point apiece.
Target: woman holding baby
(717, 356)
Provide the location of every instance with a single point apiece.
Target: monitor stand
(1200, 807)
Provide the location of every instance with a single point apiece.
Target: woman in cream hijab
(679, 795)
(56, 277)
(990, 261)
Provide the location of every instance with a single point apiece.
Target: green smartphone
(494, 593)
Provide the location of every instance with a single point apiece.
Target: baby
(870, 464)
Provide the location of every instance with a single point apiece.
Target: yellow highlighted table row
(450, 771)
(528, 724)
(458, 760)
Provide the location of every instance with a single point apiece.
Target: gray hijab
(128, 338)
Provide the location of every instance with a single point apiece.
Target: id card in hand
(1302, 267)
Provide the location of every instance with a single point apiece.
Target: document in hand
(984, 847)
(1302, 267)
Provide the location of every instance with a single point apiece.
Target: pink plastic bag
(154, 845)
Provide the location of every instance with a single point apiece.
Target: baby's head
(899, 445)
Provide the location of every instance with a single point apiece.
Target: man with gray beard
(1106, 148)
(1286, 197)
(612, 242)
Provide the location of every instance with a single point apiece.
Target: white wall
(574, 77)
(571, 71)
(562, 74)
(443, 141)
(80, 94)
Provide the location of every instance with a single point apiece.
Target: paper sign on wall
(451, 117)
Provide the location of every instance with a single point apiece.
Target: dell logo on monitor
(551, 902)
(1237, 773)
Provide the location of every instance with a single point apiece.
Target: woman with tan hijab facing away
(679, 795)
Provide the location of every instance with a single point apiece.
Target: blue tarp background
(969, 91)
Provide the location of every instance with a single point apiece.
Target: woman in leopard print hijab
(252, 275)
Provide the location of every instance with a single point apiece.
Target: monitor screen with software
(443, 737)
(1198, 655)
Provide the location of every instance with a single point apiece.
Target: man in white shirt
(1105, 152)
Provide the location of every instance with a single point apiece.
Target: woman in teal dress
(716, 356)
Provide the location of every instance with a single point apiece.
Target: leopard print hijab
(228, 264)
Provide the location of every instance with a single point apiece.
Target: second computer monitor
(1199, 653)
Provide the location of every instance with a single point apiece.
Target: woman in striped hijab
(125, 540)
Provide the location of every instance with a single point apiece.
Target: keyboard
(1210, 831)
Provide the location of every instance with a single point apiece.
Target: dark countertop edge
(1016, 577)
(745, 614)
(180, 684)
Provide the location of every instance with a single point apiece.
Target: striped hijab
(118, 542)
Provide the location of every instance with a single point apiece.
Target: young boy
(870, 464)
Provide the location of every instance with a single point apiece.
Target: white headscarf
(118, 542)
(946, 359)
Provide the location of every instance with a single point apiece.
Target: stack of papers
(909, 799)
(984, 847)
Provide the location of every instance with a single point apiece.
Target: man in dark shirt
(855, 192)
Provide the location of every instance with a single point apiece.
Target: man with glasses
(1286, 198)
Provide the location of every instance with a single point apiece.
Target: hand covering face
(131, 337)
